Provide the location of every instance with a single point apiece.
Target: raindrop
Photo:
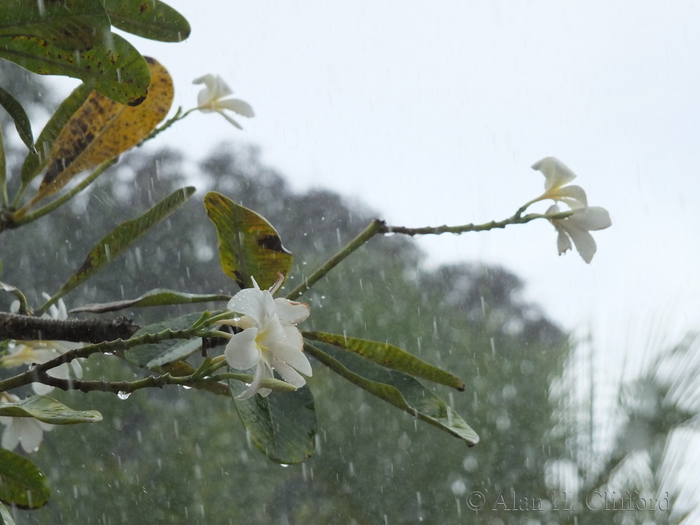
(123, 395)
(404, 442)
(493, 347)
(470, 464)
(283, 465)
(187, 387)
(458, 488)
(119, 75)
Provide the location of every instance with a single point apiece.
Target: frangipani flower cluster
(269, 340)
(25, 431)
(39, 352)
(211, 99)
(584, 218)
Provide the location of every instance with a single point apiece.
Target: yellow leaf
(102, 129)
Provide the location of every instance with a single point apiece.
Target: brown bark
(27, 328)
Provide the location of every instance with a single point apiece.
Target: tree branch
(28, 328)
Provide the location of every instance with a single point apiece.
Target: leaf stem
(179, 115)
(29, 217)
(439, 230)
(373, 229)
(379, 227)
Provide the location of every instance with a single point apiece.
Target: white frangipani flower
(40, 352)
(557, 175)
(211, 98)
(269, 340)
(576, 227)
(26, 431)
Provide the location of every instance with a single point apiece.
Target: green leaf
(153, 19)
(68, 24)
(115, 69)
(249, 247)
(49, 410)
(176, 353)
(157, 297)
(40, 156)
(142, 355)
(22, 484)
(5, 515)
(395, 388)
(282, 425)
(16, 111)
(123, 236)
(389, 356)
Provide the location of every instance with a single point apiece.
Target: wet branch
(28, 328)
(378, 227)
(86, 351)
(127, 387)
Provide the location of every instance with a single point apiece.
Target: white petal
(236, 124)
(291, 311)
(261, 373)
(242, 351)
(77, 368)
(237, 106)
(30, 435)
(62, 310)
(290, 351)
(264, 392)
(257, 304)
(593, 218)
(573, 195)
(41, 389)
(53, 312)
(556, 173)
(62, 371)
(583, 240)
(220, 88)
(288, 374)
(10, 438)
(204, 79)
(563, 241)
(215, 89)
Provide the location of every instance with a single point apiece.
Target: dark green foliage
(371, 459)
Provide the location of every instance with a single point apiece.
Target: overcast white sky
(433, 112)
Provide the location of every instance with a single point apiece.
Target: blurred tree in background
(170, 456)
